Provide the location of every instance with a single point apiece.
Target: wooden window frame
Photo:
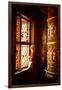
(23, 42)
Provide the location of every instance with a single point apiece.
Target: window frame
(23, 42)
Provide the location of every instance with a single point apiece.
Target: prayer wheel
(52, 44)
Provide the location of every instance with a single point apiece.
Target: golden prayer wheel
(52, 46)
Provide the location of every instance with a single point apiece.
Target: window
(23, 43)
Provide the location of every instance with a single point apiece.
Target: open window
(23, 43)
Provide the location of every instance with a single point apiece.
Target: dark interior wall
(13, 42)
(43, 39)
(40, 28)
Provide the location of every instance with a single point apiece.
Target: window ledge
(29, 65)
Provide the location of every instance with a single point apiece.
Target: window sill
(29, 65)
